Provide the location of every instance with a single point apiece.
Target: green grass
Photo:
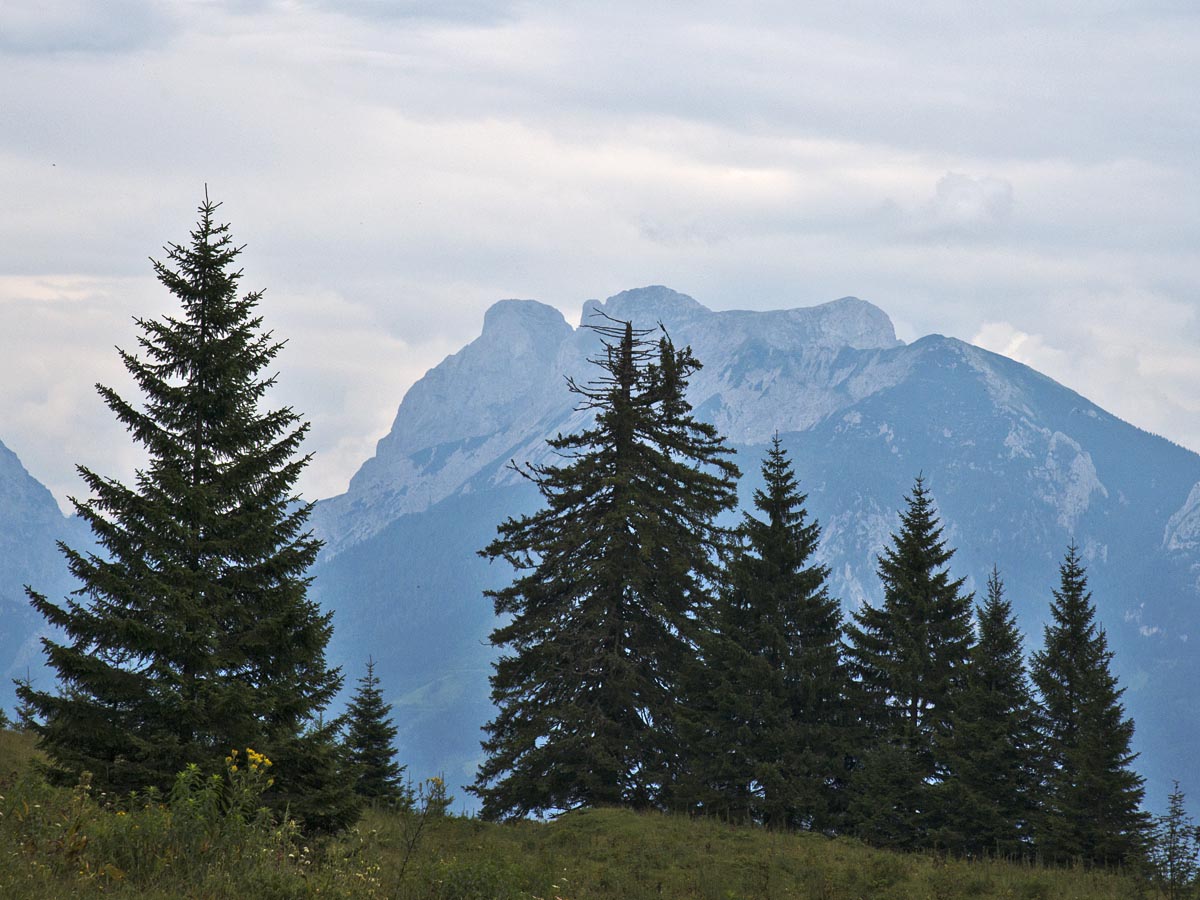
(70, 843)
(17, 752)
(606, 853)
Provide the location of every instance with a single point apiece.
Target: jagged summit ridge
(846, 322)
(527, 322)
(503, 394)
(500, 398)
(646, 306)
(461, 412)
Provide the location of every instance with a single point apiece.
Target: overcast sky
(1022, 178)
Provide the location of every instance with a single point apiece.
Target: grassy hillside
(203, 842)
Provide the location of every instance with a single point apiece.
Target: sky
(1023, 176)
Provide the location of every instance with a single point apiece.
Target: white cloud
(395, 168)
(1128, 351)
(1031, 349)
(57, 343)
(963, 202)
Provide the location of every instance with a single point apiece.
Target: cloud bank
(1024, 178)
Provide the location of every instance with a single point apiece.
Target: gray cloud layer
(1023, 176)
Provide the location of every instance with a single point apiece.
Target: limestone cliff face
(473, 408)
(503, 394)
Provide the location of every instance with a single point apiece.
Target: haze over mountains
(1019, 465)
(30, 526)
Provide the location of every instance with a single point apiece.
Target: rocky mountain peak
(647, 306)
(503, 393)
(851, 322)
(23, 498)
(521, 326)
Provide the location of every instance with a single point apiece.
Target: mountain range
(1020, 466)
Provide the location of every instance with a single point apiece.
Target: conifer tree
(24, 712)
(1174, 848)
(909, 658)
(370, 742)
(768, 729)
(610, 576)
(1091, 797)
(191, 632)
(988, 802)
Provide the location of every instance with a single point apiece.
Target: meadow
(209, 839)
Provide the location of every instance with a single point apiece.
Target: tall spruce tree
(988, 802)
(909, 658)
(767, 723)
(1091, 810)
(370, 743)
(191, 631)
(610, 575)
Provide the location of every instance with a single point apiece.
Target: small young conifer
(370, 743)
(24, 713)
(1174, 848)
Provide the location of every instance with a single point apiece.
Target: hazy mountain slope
(30, 526)
(1014, 485)
(475, 406)
(411, 596)
(1019, 464)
